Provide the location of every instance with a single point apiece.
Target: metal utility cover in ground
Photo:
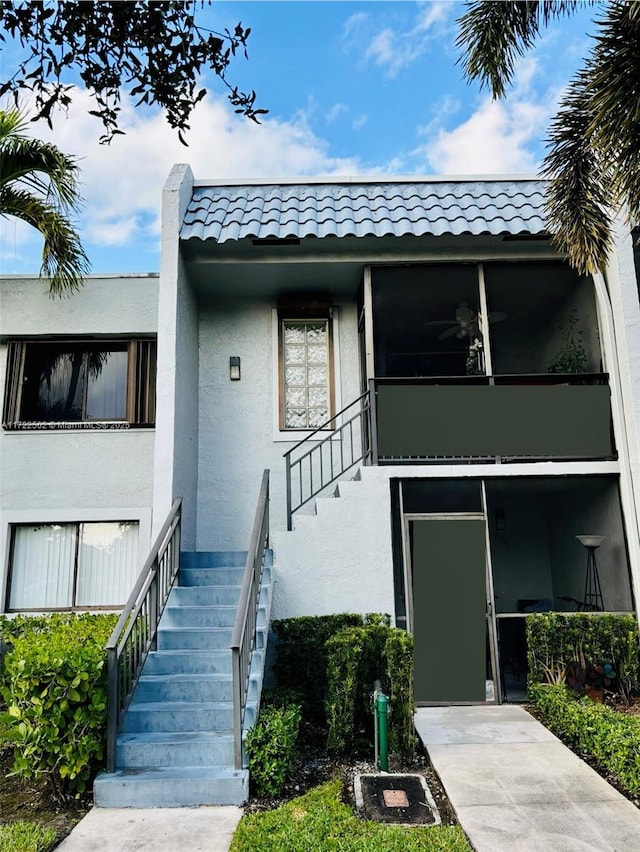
(398, 799)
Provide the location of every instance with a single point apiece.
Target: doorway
(448, 608)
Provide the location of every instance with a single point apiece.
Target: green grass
(26, 837)
(320, 822)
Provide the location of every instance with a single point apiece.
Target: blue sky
(351, 87)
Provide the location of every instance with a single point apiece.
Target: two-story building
(455, 403)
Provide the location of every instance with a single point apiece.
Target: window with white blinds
(72, 566)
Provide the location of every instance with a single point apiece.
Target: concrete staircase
(175, 748)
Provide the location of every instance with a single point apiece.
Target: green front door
(448, 567)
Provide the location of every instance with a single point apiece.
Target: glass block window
(306, 373)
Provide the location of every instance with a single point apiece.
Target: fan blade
(449, 332)
(497, 316)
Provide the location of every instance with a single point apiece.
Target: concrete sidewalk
(516, 788)
(204, 829)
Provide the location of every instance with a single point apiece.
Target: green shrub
(344, 651)
(55, 693)
(612, 738)
(26, 837)
(399, 653)
(556, 640)
(357, 657)
(301, 656)
(271, 746)
(17, 625)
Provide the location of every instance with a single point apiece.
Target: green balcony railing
(547, 416)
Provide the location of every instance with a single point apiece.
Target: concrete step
(190, 687)
(199, 638)
(204, 595)
(145, 716)
(193, 638)
(210, 576)
(222, 615)
(213, 559)
(171, 787)
(188, 662)
(162, 748)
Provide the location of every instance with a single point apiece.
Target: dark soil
(20, 800)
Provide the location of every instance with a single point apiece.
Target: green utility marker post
(380, 711)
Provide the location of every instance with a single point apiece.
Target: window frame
(313, 310)
(140, 391)
(73, 607)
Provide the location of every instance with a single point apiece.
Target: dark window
(60, 382)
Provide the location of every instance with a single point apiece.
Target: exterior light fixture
(234, 368)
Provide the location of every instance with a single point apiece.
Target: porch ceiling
(332, 265)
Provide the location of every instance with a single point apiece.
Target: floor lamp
(592, 591)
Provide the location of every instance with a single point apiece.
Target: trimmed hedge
(301, 657)
(612, 738)
(271, 746)
(556, 640)
(329, 664)
(54, 687)
(358, 656)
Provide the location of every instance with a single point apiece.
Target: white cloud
(492, 141)
(359, 122)
(431, 14)
(122, 183)
(335, 112)
(394, 48)
(117, 232)
(499, 137)
(382, 49)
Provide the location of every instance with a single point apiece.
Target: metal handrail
(330, 466)
(135, 633)
(243, 636)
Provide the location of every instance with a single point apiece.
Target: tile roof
(341, 209)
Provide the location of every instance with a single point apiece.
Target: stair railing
(312, 464)
(243, 637)
(135, 633)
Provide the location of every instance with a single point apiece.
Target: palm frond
(492, 36)
(11, 121)
(63, 259)
(614, 75)
(39, 184)
(581, 192)
(594, 159)
(41, 167)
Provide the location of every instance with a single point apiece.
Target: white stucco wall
(105, 304)
(238, 435)
(176, 448)
(339, 560)
(75, 475)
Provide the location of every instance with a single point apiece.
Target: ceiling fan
(465, 320)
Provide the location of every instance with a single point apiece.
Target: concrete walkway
(516, 788)
(154, 830)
